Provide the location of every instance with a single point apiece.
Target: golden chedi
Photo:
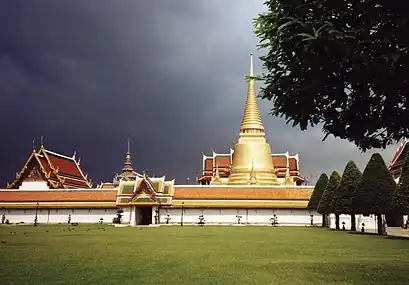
(252, 164)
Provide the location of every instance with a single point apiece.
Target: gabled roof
(399, 151)
(58, 170)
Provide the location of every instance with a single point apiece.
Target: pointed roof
(58, 170)
(128, 159)
(251, 118)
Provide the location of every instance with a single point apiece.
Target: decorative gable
(145, 191)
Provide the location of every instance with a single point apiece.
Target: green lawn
(198, 255)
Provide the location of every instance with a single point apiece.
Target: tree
(342, 200)
(375, 192)
(317, 193)
(338, 64)
(401, 195)
(324, 206)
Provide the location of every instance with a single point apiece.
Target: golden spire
(251, 123)
(216, 176)
(128, 160)
(251, 160)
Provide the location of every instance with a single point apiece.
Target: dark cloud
(170, 73)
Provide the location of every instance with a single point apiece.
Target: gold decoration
(252, 150)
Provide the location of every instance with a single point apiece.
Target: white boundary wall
(45, 216)
(295, 217)
(214, 216)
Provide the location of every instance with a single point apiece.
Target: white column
(132, 213)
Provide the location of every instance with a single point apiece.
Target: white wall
(59, 215)
(369, 221)
(34, 185)
(249, 216)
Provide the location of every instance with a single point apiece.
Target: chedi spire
(251, 123)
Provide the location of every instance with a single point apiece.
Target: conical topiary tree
(324, 206)
(342, 200)
(375, 192)
(317, 193)
(401, 195)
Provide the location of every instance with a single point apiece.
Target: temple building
(45, 169)
(287, 168)
(396, 164)
(249, 185)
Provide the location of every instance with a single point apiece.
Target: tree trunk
(337, 221)
(380, 224)
(324, 223)
(353, 223)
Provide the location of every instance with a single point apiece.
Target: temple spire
(251, 123)
(128, 159)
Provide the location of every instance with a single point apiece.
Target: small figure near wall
(201, 220)
(274, 220)
(168, 218)
(238, 218)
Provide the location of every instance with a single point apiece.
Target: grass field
(198, 255)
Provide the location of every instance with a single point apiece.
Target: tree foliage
(338, 64)
(342, 200)
(401, 197)
(318, 191)
(324, 206)
(375, 192)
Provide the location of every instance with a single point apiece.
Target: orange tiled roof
(57, 196)
(242, 193)
(292, 163)
(279, 160)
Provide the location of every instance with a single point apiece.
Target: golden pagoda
(251, 162)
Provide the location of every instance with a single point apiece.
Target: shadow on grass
(392, 237)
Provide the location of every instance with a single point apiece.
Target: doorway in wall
(143, 215)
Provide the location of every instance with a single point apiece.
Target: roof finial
(127, 170)
(34, 145)
(75, 153)
(42, 142)
(129, 143)
(251, 123)
(251, 73)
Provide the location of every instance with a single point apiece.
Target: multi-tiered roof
(57, 170)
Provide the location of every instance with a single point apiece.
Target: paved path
(397, 231)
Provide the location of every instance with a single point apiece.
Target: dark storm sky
(84, 74)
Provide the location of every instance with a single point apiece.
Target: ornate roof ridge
(398, 152)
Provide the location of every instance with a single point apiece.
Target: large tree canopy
(339, 64)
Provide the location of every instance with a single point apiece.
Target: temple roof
(58, 170)
(399, 154)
